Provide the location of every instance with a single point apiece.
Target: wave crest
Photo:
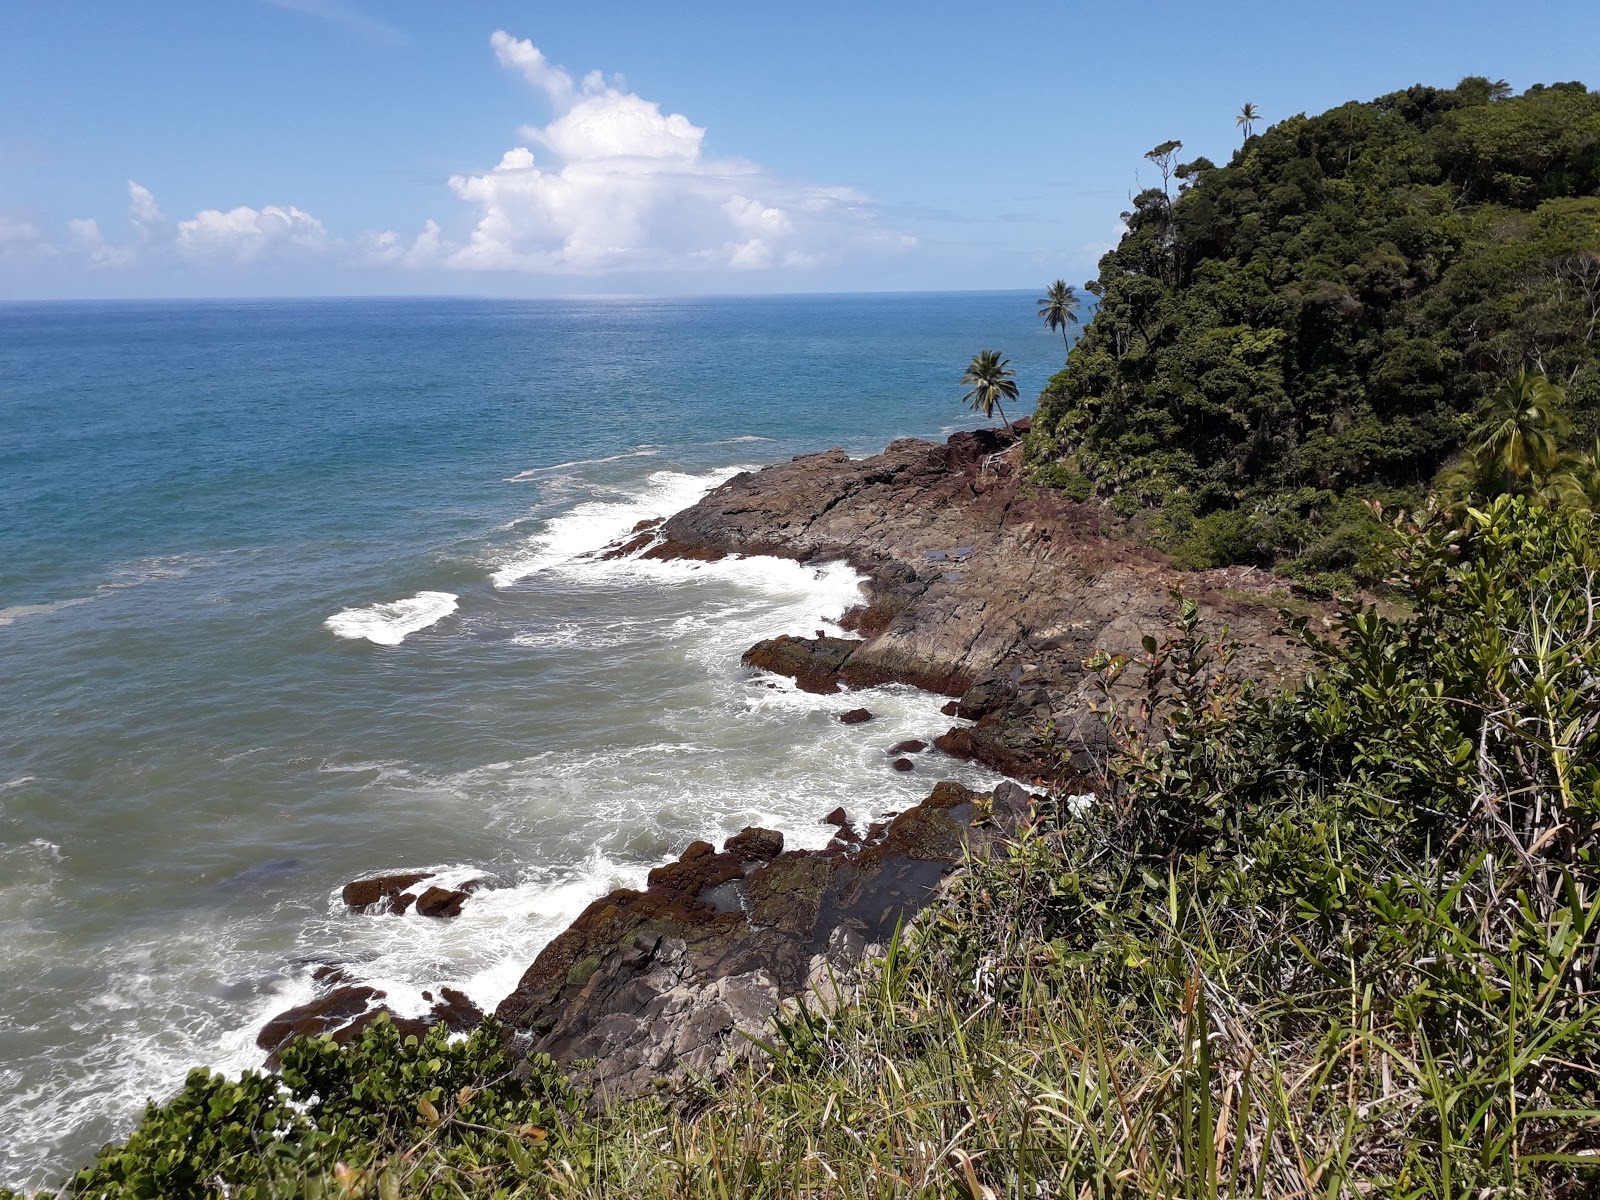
(390, 624)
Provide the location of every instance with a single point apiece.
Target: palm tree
(1058, 308)
(1515, 449)
(1247, 118)
(990, 378)
(1519, 427)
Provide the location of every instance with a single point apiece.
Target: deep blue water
(294, 591)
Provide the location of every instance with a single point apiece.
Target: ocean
(295, 592)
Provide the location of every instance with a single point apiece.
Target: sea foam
(595, 524)
(390, 624)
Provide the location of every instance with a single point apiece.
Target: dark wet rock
(326, 1013)
(401, 903)
(345, 1009)
(813, 663)
(1042, 585)
(903, 764)
(638, 538)
(650, 982)
(837, 817)
(856, 716)
(455, 1010)
(951, 708)
(909, 746)
(985, 696)
(755, 845)
(363, 893)
(441, 902)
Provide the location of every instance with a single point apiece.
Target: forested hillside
(1313, 324)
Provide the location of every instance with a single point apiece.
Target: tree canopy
(1316, 322)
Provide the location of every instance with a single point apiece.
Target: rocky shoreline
(979, 588)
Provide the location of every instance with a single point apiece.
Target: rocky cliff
(978, 587)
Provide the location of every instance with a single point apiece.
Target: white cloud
(211, 236)
(247, 234)
(629, 187)
(16, 232)
(610, 183)
(146, 214)
(388, 249)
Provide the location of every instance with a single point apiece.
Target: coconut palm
(991, 379)
(1247, 118)
(1519, 428)
(1515, 448)
(1058, 308)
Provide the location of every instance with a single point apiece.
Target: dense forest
(1313, 325)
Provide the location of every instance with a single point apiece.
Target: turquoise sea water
(297, 591)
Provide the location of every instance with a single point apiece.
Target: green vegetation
(1339, 941)
(1312, 326)
(991, 380)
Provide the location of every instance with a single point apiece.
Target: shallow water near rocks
(296, 592)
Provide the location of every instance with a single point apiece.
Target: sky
(421, 147)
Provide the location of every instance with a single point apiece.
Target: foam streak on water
(388, 624)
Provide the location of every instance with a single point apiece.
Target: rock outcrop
(651, 982)
(978, 587)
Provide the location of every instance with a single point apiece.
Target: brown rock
(318, 1016)
(655, 982)
(856, 716)
(441, 902)
(837, 817)
(951, 708)
(366, 892)
(909, 746)
(903, 764)
(752, 844)
(456, 1011)
(1042, 585)
(813, 663)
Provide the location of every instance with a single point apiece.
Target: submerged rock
(856, 716)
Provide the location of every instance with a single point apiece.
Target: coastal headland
(978, 587)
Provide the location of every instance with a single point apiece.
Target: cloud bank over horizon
(610, 184)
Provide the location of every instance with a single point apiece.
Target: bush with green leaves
(385, 1115)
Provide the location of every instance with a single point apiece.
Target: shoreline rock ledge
(651, 983)
(979, 587)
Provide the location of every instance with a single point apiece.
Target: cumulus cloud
(614, 183)
(609, 183)
(15, 232)
(247, 234)
(238, 236)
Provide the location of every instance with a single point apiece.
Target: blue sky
(289, 147)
